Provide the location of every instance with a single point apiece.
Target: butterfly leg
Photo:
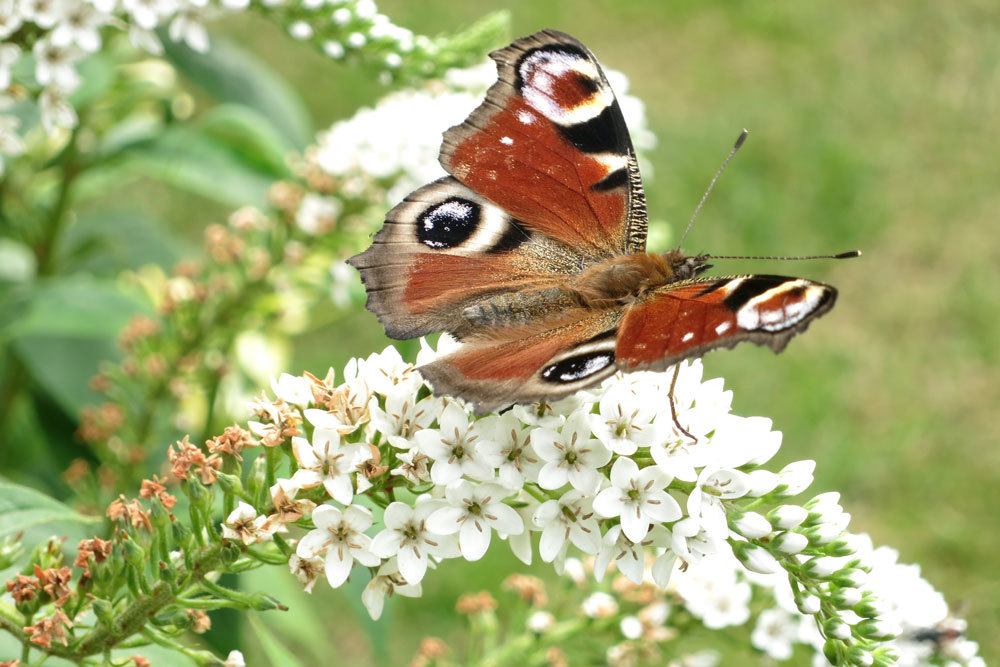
(673, 405)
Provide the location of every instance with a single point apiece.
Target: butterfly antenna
(711, 184)
(840, 255)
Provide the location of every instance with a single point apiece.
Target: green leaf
(105, 243)
(62, 367)
(276, 652)
(232, 156)
(231, 74)
(73, 306)
(22, 508)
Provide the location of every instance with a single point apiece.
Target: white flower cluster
(398, 140)
(54, 36)
(721, 594)
(605, 475)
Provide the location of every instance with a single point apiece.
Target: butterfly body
(533, 250)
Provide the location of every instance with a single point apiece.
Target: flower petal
(446, 521)
(474, 539)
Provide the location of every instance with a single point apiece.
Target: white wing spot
(506, 141)
(723, 328)
(688, 336)
(526, 117)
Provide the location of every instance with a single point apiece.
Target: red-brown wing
(691, 318)
(445, 249)
(549, 145)
(529, 363)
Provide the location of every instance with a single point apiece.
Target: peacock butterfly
(532, 251)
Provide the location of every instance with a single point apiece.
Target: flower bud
(756, 558)
(860, 657)
(104, 611)
(600, 605)
(752, 525)
(787, 516)
(838, 629)
(853, 577)
(791, 543)
(760, 482)
(846, 597)
(796, 477)
(540, 622)
(134, 554)
(262, 602)
(825, 533)
(631, 627)
(230, 483)
(257, 481)
(878, 629)
(808, 604)
(822, 566)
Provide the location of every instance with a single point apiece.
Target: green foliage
(23, 508)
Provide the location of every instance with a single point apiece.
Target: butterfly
(532, 251)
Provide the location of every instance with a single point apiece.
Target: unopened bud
(752, 525)
(787, 516)
(791, 543)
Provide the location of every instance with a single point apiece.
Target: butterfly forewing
(689, 319)
(550, 146)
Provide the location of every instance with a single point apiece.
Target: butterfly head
(685, 267)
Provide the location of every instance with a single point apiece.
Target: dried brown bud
(475, 603)
(49, 629)
(528, 588)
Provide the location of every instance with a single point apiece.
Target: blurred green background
(873, 125)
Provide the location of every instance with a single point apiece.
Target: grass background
(873, 126)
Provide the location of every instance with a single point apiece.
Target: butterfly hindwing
(688, 319)
(529, 363)
(445, 249)
(549, 145)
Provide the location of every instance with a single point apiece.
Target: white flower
(791, 543)
(235, 659)
(775, 632)
(306, 570)
(540, 622)
(403, 416)
(188, 27)
(81, 26)
(9, 55)
(549, 414)
(713, 486)
(473, 512)
(520, 544)
(43, 13)
(627, 419)
(571, 455)
(414, 466)
(10, 18)
(628, 556)
(638, 497)
(387, 373)
(599, 605)
(325, 461)
(10, 142)
(244, 525)
(386, 583)
(691, 542)
(507, 446)
(407, 537)
(317, 214)
(453, 446)
(712, 591)
(55, 109)
(147, 13)
(339, 535)
(54, 64)
(294, 389)
(145, 40)
(569, 518)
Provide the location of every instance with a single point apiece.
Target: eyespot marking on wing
(562, 83)
(578, 367)
(782, 307)
(448, 224)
